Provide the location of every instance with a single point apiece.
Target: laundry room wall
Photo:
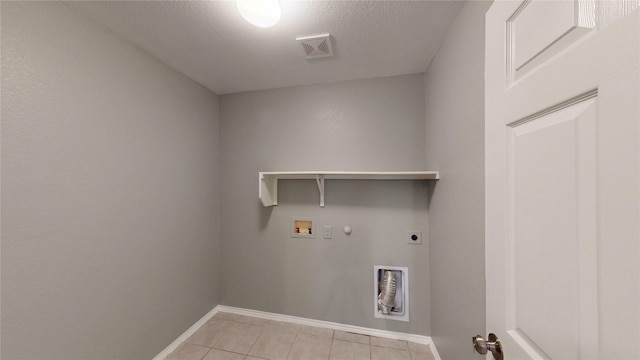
(454, 90)
(109, 192)
(363, 125)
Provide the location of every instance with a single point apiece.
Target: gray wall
(454, 93)
(110, 234)
(375, 124)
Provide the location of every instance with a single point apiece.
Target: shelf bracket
(320, 181)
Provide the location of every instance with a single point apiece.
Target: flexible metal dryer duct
(387, 293)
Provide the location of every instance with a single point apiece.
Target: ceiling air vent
(316, 46)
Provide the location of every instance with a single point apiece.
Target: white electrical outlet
(414, 237)
(327, 232)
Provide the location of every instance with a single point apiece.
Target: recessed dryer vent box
(302, 227)
(400, 308)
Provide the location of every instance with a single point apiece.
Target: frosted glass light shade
(262, 13)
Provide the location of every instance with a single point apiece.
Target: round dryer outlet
(414, 237)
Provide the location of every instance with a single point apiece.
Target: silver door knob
(492, 344)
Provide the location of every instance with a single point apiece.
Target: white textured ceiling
(209, 42)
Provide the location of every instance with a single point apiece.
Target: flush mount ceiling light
(261, 13)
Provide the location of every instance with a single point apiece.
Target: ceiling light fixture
(261, 13)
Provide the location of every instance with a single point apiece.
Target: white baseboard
(169, 349)
(421, 339)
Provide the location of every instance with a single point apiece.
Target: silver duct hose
(387, 288)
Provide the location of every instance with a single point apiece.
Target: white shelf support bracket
(320, 181)
(268, 190)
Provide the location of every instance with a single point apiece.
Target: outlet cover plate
(414, 237)
(326, 232)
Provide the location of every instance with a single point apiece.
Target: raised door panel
(552, 162)
(541, 29)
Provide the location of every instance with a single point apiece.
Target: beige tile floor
(228, 336)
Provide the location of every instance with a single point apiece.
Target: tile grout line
(218, 339)
(331, 346)
(264, 328)
(230, 351)
(292, 344)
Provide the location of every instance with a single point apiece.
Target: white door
(563, 178)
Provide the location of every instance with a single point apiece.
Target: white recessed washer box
(302, 227)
